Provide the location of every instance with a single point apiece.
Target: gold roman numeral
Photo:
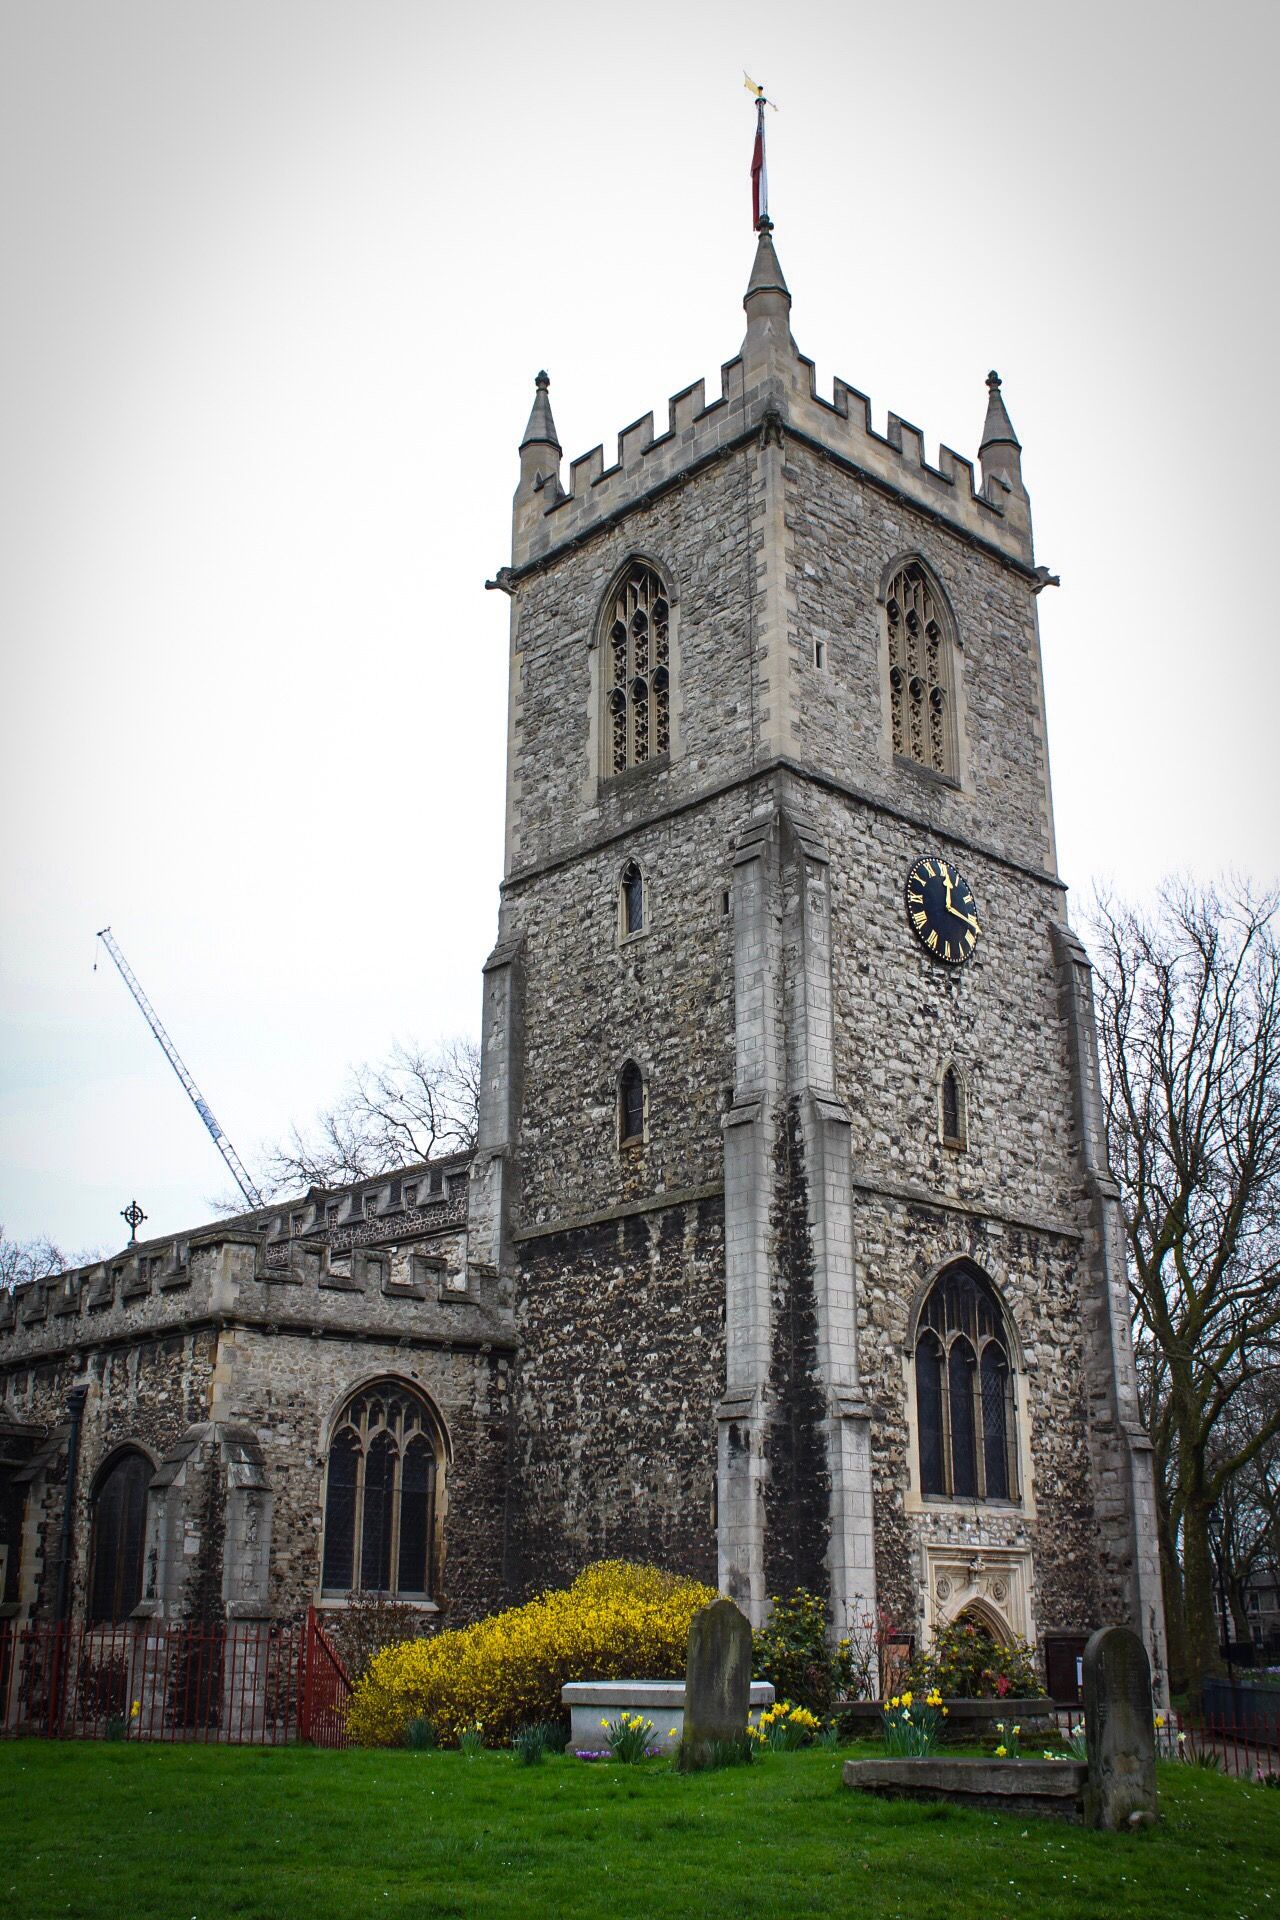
(932, 942)
(915, 899)
(917, 920)
(971, 938)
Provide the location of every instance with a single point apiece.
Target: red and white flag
(759, 172)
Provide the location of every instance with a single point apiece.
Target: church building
(788, 1254)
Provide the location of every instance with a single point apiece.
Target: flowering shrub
(910, 1726)
(630, 1737)
(616, 1622)
(784, 1727)
(967, 1664)
(793, 1651)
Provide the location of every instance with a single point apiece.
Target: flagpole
(759, 169)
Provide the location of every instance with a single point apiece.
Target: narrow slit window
(632, 900)
(630, 1104)
(953, 1115)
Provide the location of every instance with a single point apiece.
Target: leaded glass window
(920, 698)
(379, 1511)
(964, 1391)
(637, 655)
(116, 1537)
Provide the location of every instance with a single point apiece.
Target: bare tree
(23, 1260)
(36, 1259)
(1244, 1531)
(1189, 1004)
(405, 1108)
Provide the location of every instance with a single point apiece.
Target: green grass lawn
(203, 1833)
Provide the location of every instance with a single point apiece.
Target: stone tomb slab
(1053, 1787)
(659, 1701)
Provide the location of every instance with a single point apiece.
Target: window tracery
(638, 670)
(380, 1488)
(920, 695)
(964, 1391)
(117, 1533)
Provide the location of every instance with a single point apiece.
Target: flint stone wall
(622, 1362)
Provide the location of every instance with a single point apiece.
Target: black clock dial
(941, 910)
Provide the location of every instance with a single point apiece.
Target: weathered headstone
(717, 1690)
(1120, 1738)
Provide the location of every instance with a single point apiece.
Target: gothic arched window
(952, 1108)
(630, 1104)
(379, 1505)
(636, 641)
(964, 1391)
(631, 900)
(117, 1529)
(920, 694)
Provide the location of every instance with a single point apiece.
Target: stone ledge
(1053, 1787)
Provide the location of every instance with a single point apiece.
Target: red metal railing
(244, 1682)
(1246, 1751)
(326, 1685)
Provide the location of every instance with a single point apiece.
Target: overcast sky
(278, 274)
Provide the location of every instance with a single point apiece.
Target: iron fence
(1247, 1749)
(258, 1683)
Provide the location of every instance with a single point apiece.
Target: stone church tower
(788, 1255)
(790, 1149)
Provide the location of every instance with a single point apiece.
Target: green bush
(794, 1652)
(965, 1663)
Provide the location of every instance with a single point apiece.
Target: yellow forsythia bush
(616, 1622)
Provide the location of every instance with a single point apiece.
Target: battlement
(767, 388)
(399, 1241)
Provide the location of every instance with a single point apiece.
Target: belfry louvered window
(379, 1508)
(920, 694)
(637, 653)
(964, 1392)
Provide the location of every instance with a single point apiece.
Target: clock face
(941, 910)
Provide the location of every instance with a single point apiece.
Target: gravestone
(717, 1690)
(1120, 1736)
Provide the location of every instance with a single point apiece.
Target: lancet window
(631, 900)
(920, 693)
(637, 656)
(964, 1391)
(630, 1104)
(117, 1530)
(380, 1495)
(952, 1106)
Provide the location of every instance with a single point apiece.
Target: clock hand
(970, 920)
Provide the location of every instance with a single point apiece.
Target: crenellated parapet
(386, 1258)
(769, 388)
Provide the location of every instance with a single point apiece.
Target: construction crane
(174, 1058)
